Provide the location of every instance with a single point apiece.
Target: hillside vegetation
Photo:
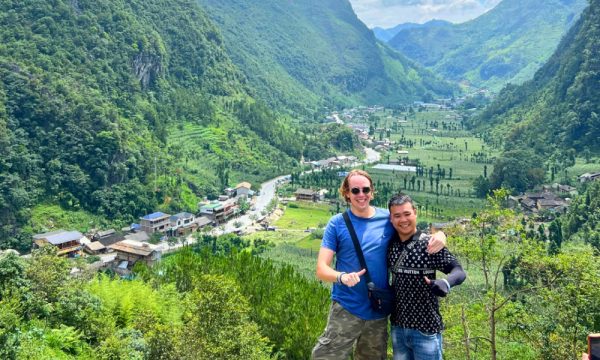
(193, 305)
(91, 93)
(304, 55)
(557, 111)
(505, 45)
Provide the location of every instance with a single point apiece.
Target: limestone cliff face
(147, 68)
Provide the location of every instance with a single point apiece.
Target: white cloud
(389, 13)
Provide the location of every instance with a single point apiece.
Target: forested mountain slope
(306, 54)
(559, 109)
(506, 44)
(90, 94)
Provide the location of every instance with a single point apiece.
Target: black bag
(382, 300)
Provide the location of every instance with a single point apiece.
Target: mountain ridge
(556, 112)
(387, 34)
(330, 58)
(506, 44)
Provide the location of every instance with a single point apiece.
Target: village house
(536, 202)
(182, 219)
(229, 192)
(359, 128)
(310, 195)
(155, 222)
(589, 177)
(94, 248)
(203, 221)
(101, 240)
(67, 242)
(528, 204)
(566, 189)
(107, 237)
(328, 163)
(137, 236)
(218, 211)
(243, 190)
(182, 223)
(440, 226)
(306, 195)
(133, 251)
(347, 160)
(561, 189)
(551, 204)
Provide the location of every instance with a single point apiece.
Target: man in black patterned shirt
(416, 320)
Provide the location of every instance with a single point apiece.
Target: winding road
(267, 193)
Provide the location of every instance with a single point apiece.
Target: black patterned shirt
(408, 262)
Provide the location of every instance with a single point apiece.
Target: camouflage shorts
(345, 330)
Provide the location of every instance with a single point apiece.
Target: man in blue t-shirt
(351, 319)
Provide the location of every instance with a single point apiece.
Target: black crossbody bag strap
(359, 253)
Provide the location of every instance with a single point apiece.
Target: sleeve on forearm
(456, 274)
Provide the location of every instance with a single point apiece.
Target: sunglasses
(356, 190)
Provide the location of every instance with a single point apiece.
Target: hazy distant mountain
(303, 54)
(386, 34)
(559, 109)
(506, 44)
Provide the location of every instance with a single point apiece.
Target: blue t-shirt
(373, 234)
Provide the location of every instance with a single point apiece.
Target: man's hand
(353, 278)
(438, 287)
(437, 242)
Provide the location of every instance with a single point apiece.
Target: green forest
(556, 111)
(94, 96)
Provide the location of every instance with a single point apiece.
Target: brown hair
(345, 187)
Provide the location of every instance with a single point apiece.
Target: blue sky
(389, 13)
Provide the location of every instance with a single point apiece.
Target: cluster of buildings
(352, 114)
(543, 201)
(120, 250)
(227, 205)
(334, 162)
(554, 198)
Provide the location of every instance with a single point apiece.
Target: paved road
(267, 193)
(372, 155)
